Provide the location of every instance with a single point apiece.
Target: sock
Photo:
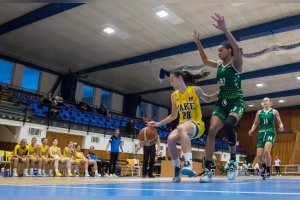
(56, 171)
(43, 171)
(233, 157)
(25, 171)
(31, 170)
(50, 171)
(15, 170)
(188, 157)
(208, 164)
(86, 172)
(69, 171)
(96, 171)
(39, 171)
(176, 162)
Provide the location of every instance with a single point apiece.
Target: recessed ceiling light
(162, 13)
(281, 101)
(109, 30)
(298, 78)
(261, 84)
(250, 105)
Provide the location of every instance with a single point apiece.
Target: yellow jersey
(32, 150)
(67, 152)
(55, 152)
(189, 109)
(19, 151)
(78, 156)
(44, 151)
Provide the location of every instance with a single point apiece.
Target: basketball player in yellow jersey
(69, 153)
(82, 160)
(185, 101)
(20, 157)
(55, 153)
(44, 155)
(34, 159)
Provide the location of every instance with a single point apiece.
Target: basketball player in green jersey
(230, 106)
(265, 119)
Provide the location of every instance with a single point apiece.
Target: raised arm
(278, 119)
(205, 60)
(170, 118)
(238, 56)
(255, 124)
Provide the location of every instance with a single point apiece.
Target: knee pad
(229, 124)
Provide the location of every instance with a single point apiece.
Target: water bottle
(2, 172)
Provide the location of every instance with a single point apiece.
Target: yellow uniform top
(19, 151)
(68, 153)
(32, 150)
(78, 155)
(188, 104)
(55, 151)
(44, 151)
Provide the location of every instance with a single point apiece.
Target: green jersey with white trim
(230, 78)
(266, 120)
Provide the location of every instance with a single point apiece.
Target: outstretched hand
(220, 22)
(153, 123)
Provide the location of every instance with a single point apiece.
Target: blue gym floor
(277, 186)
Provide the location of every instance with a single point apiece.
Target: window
(34, 132)
(95, 139)
(143, 110)
(31, 79)
(6, 69)
(154, 113)
(106, 99)
(88, 94)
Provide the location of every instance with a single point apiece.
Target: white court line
(164, 190)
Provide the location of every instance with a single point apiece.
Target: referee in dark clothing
(149, 152)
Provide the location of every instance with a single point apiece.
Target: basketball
(150, 133)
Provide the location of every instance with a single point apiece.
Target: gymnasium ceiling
(71, 38)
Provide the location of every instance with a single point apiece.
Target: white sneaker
(206, 176)
(39, 175)
(97, 175)
(111, 176)
(50, 174)
(232, 171)
(187, 169)
(86, 175)
(26, 175)
(15, 175)
(115, 175)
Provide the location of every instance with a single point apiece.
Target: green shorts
(225, 106)
(265, 136)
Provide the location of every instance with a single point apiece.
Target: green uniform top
(266, 120)
(230, 78)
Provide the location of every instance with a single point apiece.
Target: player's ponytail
(189, 78)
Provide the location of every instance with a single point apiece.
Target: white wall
(47, 81)
(18, 75)
(24, 132)
(117, 102)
